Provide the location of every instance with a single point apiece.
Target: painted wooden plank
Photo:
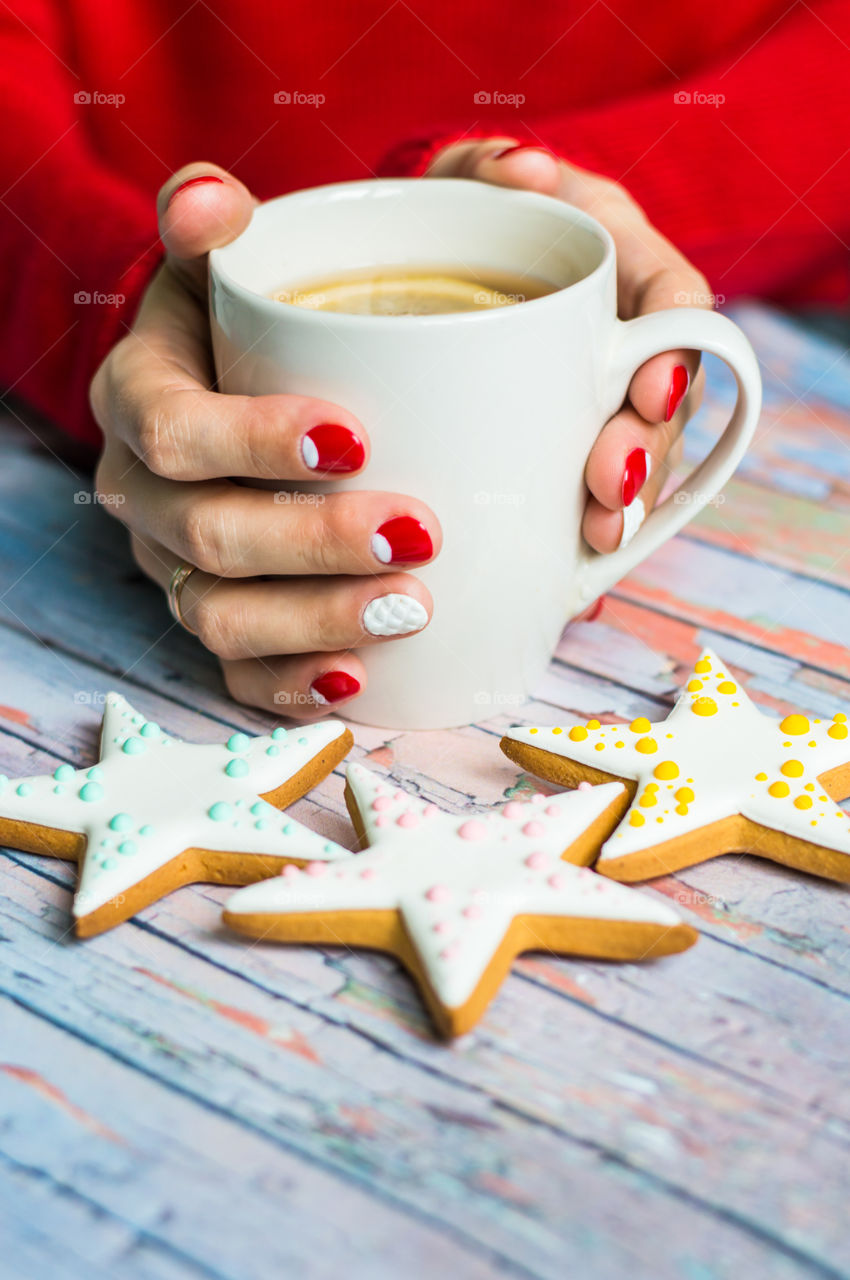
(507, 1188)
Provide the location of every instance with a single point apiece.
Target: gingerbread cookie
(717, 776)
(456, 898)
(155, 813)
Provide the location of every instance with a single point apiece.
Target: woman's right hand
(284, 590)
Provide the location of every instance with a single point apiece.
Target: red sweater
(754, 188)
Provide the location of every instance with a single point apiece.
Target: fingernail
(194, 182)
(394, 615)
(679, 384)
(334, 686)
(519, 146)
(331, 448)
(633, 517)
(634, 475)
(594, 610)
(402, 540)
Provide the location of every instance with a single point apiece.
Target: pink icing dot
(407, 819)
(442, 926)
(290, 871)
(368, 873)
(537, 861)
(584, 786)
(429, 811)
(472, 830)
(552, 811)
(382, 820)
(534, 829)
(513, 809)
(556, 881)
(473, 911)
(538, 798)
(399, 795)
(438, 893)
(316, 868)
(380, 803)
(449, 952)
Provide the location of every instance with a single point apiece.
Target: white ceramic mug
(487, 416)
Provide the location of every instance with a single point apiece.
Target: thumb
(200, 207)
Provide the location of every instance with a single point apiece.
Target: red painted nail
(519, 146)
(595, 610)
(334, 686)
(329, 447)
(194, 182)
(402, 540)
(679, 384)
(634, 476)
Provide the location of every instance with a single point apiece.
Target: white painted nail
(394, 615)
(633, 517)
(381, 548)
(309, 453)
(318, 697)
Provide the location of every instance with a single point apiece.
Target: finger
(628, 451)
(501, 161)
(200, 207)
(252, 618)
(305, 687)
(605, 530)
(233, 531)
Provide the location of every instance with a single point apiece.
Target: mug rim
(493, 315)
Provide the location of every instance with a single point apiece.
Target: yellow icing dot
(683, 809)
(704, 707)
(786, 744)
(694, 686)
(761, 777)
(648, 799)
(814, 822)
(593, 724)
(637, 819)
(659, 819)
(619, 744)
(795, 725)
(557, 731)
(578, 733)
(702, 667)
(652, 786)
(792, 769)
(823, 798)
(641, 725)
(810, 786)
(684, 795)
(600, 746)
(778, 789)
(534, 731)
(840, 717)
(803, 802)
(837, 731)
(736, 704)
(811, 744)
(646, 746)
(666, 769)
(727, 687)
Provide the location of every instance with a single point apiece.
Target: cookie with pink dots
(155, 813)
(456, 898)
(717, 776)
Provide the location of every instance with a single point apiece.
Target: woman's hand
(284, 590)
(631, 459)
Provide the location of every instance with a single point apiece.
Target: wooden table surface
(177, 1104)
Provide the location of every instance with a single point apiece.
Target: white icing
(394, 615)
(718, 757)
(489, 876)
(170, 786)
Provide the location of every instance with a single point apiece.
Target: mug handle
(635, 342)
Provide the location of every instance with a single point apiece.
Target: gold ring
(176, 583)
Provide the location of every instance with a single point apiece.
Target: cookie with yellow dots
(717, 776)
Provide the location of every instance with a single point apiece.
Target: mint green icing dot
(138, 719)
(63, 773)
(302, 742)
(236, 768)
(59, 790)
(24, 789)
(273, 750)
(261, 824)
(134, 747)
(220, 811)
(289, 828)
(329, 848)
(120, 822)
(150, 729)
(146, 830)
(258, 809)
(238, 742)
(127, 846)
(106, 844)
(95, 774)
(91, 791)
(279, 734)
(109, 864)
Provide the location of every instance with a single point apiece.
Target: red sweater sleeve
(78, 243)
(743, 164)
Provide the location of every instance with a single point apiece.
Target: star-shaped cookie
(456, 898)
(155, 813)
(717, 776)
